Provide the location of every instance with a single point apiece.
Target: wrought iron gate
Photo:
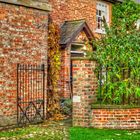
(30, 94)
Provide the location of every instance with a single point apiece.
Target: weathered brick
(23, 39)
(120, 120)
(81, 110)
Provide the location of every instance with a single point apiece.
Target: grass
(34, 132)
(103, 134)
(43, 132)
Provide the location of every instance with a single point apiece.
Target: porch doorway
(74, 40)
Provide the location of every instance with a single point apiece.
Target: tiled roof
(70, 29)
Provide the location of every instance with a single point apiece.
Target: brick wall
(116, 118)
(65, 72)
(84, 89)
(63, 10)
(23, 39)
(84, 95)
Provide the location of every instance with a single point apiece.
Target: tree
(119, 51)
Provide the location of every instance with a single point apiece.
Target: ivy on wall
(54, 62)
(120, 48)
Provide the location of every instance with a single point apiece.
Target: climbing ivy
(119, 49)
(54, 62)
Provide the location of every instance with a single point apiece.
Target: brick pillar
(84, 89)
(65, 72)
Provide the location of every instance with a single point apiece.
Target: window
(101, 12)
(78, 50)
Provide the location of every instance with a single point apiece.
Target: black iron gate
(30, 94)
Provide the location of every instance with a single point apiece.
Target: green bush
(119, 51)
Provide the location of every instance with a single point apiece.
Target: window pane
(99, 26)
(99, 12)
(99, 19)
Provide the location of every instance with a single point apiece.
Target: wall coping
(30, 3)
(81, 58)
(103, 106)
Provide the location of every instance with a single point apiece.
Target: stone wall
(23, 39)
(37, 4)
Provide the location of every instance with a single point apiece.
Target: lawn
(43, 132)
(34, 132)
(103, 134)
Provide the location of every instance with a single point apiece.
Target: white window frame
(138, 24)
(78, 52)
(102, 9)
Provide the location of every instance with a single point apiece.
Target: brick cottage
(80, 22)
(23, 38)
(67, 14)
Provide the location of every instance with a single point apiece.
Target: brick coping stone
(82, 58)
(104, 106)
(30, 3)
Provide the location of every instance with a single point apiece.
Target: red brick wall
(84, 88)
(65, 72)
(63, 10)
(23, 39)
(116, 118)
(84, 95)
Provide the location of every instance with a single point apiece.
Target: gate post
(84, 89)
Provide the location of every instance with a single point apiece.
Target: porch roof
(70, 29)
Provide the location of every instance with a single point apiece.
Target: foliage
(103, 134)
(66, 105)
(53, 103)
(120, 49)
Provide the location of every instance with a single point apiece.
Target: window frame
(99, 7)
(78, 52)
(138, 24)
